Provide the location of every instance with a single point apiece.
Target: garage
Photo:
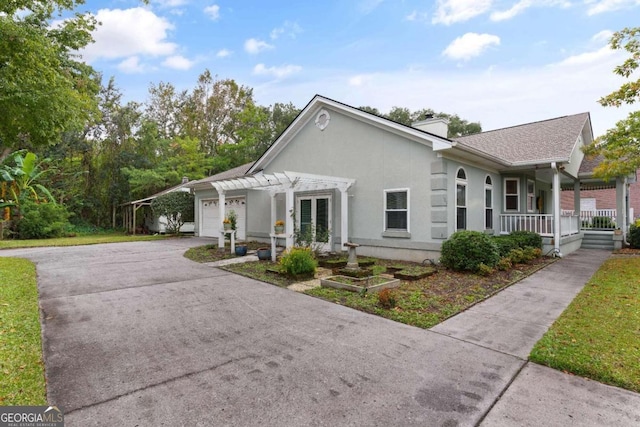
(210, 221)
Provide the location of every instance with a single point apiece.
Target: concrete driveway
(137, 335)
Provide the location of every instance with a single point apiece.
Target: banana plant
(20, 170)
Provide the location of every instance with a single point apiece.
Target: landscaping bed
(211, 253)
(422, 303)
(363, 284)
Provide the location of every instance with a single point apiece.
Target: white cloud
(602, 6)
(129, 32)
(131, 65)
(368, 6)
(178, 62)
(277, 72)
(452, 11)
(603, 36)
(254, 46)
(470, 45)
(523, 5)
(171, 3)
(213, 12)
(291, 29)
(416, 16)
(360, 80)
(223, 53)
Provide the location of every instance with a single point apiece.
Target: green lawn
(598, 335)
(89, 239)
(21, 366)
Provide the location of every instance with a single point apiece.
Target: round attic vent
(322, 119)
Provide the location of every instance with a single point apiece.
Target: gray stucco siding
(377, 159)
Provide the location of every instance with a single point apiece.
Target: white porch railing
(539, 223)
(599, 218)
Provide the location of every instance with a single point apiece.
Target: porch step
(598, 240)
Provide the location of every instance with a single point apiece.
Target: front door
(313, 220)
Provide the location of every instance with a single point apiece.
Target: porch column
(273, 208)
(221, 214)
(344, 218)
(289, 223)
(621, 214)
(556, 209)
(576, 201)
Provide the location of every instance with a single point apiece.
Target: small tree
(177, 207)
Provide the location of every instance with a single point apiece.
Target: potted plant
(279, 226)
(241, 250)
(226, 223)
(264, 254)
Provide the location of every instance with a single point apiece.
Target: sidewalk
(512, 322)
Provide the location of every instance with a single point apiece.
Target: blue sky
(500, 62)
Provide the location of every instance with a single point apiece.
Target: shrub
(532, 253)
(466, 250)
(504, 264)
(42, 220)
(177, 207)
(298, 261)
(387, 299)
(517, 256)
(527, 239)
(485, 270)
(505, 243)
(634, 235)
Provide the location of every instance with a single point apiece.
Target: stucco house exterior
(400, 191)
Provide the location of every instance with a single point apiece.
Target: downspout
(556, 210)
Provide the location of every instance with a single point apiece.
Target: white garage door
(210, 221)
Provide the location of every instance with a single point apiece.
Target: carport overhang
(289, 183)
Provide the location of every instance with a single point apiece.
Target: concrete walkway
(512, 322)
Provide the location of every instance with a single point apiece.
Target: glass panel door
(314, 214)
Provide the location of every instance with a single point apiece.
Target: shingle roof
(552, 139)
(589, 163)
(237, 172)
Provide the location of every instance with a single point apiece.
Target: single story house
(400, 191)
(151, 222)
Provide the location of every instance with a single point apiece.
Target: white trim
(490, 188)
(463, 182)
(531, 196)
(504, 192)
(384, 208)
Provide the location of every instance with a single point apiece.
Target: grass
(22, 379)
(88, 239)
(598, 335)
(422, 303)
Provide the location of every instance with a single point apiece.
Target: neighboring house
(150, 222)
(400, 191)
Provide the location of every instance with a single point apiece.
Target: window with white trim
(531, 195)
(512, 194)
(396, 210)
(488, 203)
(461, 200)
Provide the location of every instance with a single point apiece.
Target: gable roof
(309, 111)
(544, 141)
(237, 172)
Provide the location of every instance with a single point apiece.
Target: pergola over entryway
(288, 183)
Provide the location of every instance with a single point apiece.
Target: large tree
(44, 89)
(620, 146)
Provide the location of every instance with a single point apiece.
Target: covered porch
(560, 227)
(287, 183)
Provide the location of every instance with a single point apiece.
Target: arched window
(488, 203)
(461, 200)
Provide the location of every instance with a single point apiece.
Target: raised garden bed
(414, 273)
(361, 273)
(355, 284)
